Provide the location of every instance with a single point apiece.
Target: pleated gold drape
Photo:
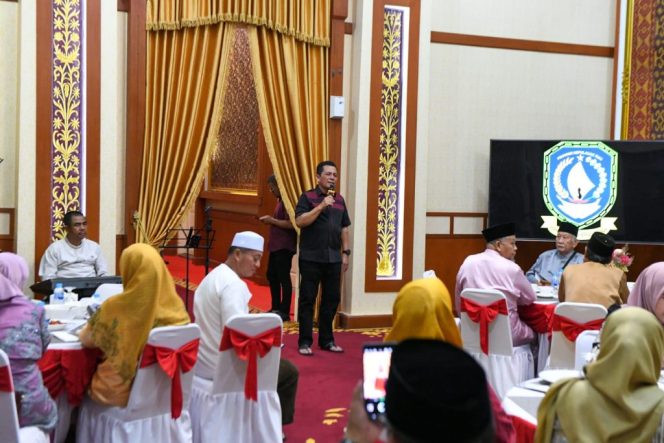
(292, 90)
(183, 109)
(306, 20)
(187, 55)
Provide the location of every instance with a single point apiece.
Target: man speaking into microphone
(322, 217)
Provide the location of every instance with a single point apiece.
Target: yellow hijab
(619, 400)
(423, 309)
(121, 326)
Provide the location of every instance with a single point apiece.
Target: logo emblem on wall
(580, 186)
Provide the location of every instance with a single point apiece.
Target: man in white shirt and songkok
(551, 264)
(223, 294)
(74, 256)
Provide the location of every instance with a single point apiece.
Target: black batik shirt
(321, 241)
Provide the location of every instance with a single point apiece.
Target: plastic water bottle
(58, 296)
(555, 280)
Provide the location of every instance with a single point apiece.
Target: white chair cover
(147, 416)
(108, 289)
(220, 412)
(584, 348)
(542, 352)
(62, 402)
(562, 350)
(506, 366)
(10, 432)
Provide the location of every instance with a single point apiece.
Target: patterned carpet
(326, 384)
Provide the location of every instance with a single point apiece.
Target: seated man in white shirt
(221, 295)
(73, 256)
(551, 264)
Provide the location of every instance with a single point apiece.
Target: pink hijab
(13, 274)
(649, 287)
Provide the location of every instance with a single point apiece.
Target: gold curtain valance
(305, 20)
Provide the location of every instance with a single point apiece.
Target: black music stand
(192, 240)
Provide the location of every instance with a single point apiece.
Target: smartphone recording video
(376, 366)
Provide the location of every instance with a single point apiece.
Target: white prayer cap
(248, 240)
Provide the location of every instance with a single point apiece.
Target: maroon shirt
(281, 238)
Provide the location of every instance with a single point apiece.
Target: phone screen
(376, 367)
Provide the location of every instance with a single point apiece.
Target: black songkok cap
(498, 231)
(569, 228)
(602, 244)
(436, 392)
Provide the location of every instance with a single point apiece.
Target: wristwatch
(346, 251)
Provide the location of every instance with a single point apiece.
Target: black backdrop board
(516, 189)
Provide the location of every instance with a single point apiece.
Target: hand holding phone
(376, 367)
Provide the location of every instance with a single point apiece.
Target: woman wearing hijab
(618, 400)
(24, 337)
(423, 310)
(648, 291)
(121, 326)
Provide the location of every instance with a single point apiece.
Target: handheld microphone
(330, 190)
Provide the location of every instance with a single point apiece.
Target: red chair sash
(68, 369)
(484, 315)
(572, 329)
(173, 362)
(538, 316)
(6, 384)
(249, 349)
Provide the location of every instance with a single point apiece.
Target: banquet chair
(65, 409)
(108, 289)
(584, 348)
(505, 365)
(222, 409)
(585, 316)
(152, 413)
(11, 433)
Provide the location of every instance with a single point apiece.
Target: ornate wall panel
(68, 91)
(643, 81)
(66, 113)
(390, 184)
(392, 144)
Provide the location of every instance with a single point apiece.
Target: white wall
(478, 94)
(469, 95)
(590, 22)
(25, 205)
(9, 28)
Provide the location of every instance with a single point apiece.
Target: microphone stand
(208, 230)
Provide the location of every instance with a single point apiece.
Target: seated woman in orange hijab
(121, 326)
(423, 309)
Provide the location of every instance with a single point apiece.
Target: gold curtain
(183, 109)
(306, 20)
(188, 53)
(292, 90)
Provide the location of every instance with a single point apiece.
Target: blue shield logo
(580, 181)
